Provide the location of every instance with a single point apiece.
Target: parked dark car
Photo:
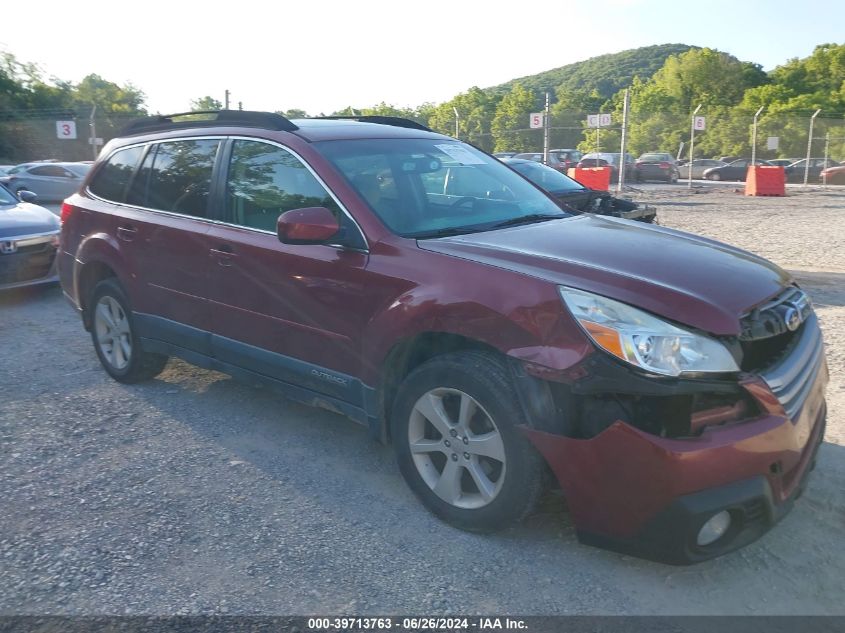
(50, 181)
(431, 293)
(559, 159)
(732, 171)
(504, 154)
(575, 196)
(29, 239)
(795, 171)
(656, 166)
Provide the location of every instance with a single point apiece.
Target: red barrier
(765, 180)
(597, 178)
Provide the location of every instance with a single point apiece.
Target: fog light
(714, 529)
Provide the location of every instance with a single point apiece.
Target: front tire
(115, 338)
(454, 429)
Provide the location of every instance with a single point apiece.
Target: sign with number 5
(536, 120)
(66, 129)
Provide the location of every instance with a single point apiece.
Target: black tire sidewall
(523, 474)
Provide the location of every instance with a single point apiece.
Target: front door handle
(223, 255)
(126, 233)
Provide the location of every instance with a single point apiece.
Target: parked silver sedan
(49, 181)
(29, 239)
(698, 167)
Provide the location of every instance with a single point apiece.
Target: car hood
(689, 279)
(25, 219)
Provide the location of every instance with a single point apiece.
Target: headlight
(644, 340)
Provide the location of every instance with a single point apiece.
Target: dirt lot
(197, 494)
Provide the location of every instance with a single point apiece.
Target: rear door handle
(126, 233)
(223, 255)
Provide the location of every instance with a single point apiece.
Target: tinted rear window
(112, 178)
(176, 177)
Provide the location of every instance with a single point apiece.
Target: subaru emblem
(793, 319)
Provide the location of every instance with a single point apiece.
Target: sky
(324, 55)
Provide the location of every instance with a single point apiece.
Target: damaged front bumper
(636, 492)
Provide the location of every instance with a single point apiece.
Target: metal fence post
(810, 147)
(546, 124)
(754, 137)
(692, 143)
(622, 148)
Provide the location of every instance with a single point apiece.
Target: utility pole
(240, 105)
(92, 124)
(692, 144)
(826, 154)
(754, 137)
(457, 120)
(810, 147)
(226, 100)
(625, 105)
(546, 124)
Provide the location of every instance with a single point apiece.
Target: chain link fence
(30, 135)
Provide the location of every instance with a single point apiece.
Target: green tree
(206, 103)
(510, 123)
(476, 109)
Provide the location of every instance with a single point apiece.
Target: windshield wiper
(445, 232)
(527, 219)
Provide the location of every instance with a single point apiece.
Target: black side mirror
(27, 196)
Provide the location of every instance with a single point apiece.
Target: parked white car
(698, 167)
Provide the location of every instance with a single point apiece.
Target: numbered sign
(698, 123)
(598, 120)
(535, 120)
(66, 129)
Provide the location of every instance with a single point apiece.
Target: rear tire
(716, 176)
(454, 428)
(115, 338)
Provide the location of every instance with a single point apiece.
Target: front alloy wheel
(456, 428)
(457, 448)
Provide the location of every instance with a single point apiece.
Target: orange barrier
(765, 180)
(597, 178)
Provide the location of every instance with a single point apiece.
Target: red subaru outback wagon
(673, 385)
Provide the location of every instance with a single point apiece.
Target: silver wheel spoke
(125, 347)
(431, 408)
(486, 487)
(104, 313)
(117, 356)
(468, 409)
(427, 446)
(488, 445)
(116, 312)
(448, 486)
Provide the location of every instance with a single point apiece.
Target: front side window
(264, 181)
(112, 179)
(430, 187)
(176, 177)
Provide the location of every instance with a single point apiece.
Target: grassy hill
(606, 73)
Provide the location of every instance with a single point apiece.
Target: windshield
(80, 169)
(429, 187)
(6, 197)
(547, 178)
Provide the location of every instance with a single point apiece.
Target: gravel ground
(197, 494)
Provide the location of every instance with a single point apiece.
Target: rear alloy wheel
(715, 176)
(456, 439)
(115, 340)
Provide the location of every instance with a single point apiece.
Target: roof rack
(395, 121)
(235, 118)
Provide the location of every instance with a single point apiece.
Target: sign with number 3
(66, 129)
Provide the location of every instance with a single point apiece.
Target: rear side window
(176, 177)
(52, 171)
(112, 179)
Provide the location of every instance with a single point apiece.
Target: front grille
(792, 377)
(765, 331)
(26, 265)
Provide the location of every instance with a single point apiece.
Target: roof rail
(235, 118)
(395, 121)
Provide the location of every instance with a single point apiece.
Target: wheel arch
(535, 397)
